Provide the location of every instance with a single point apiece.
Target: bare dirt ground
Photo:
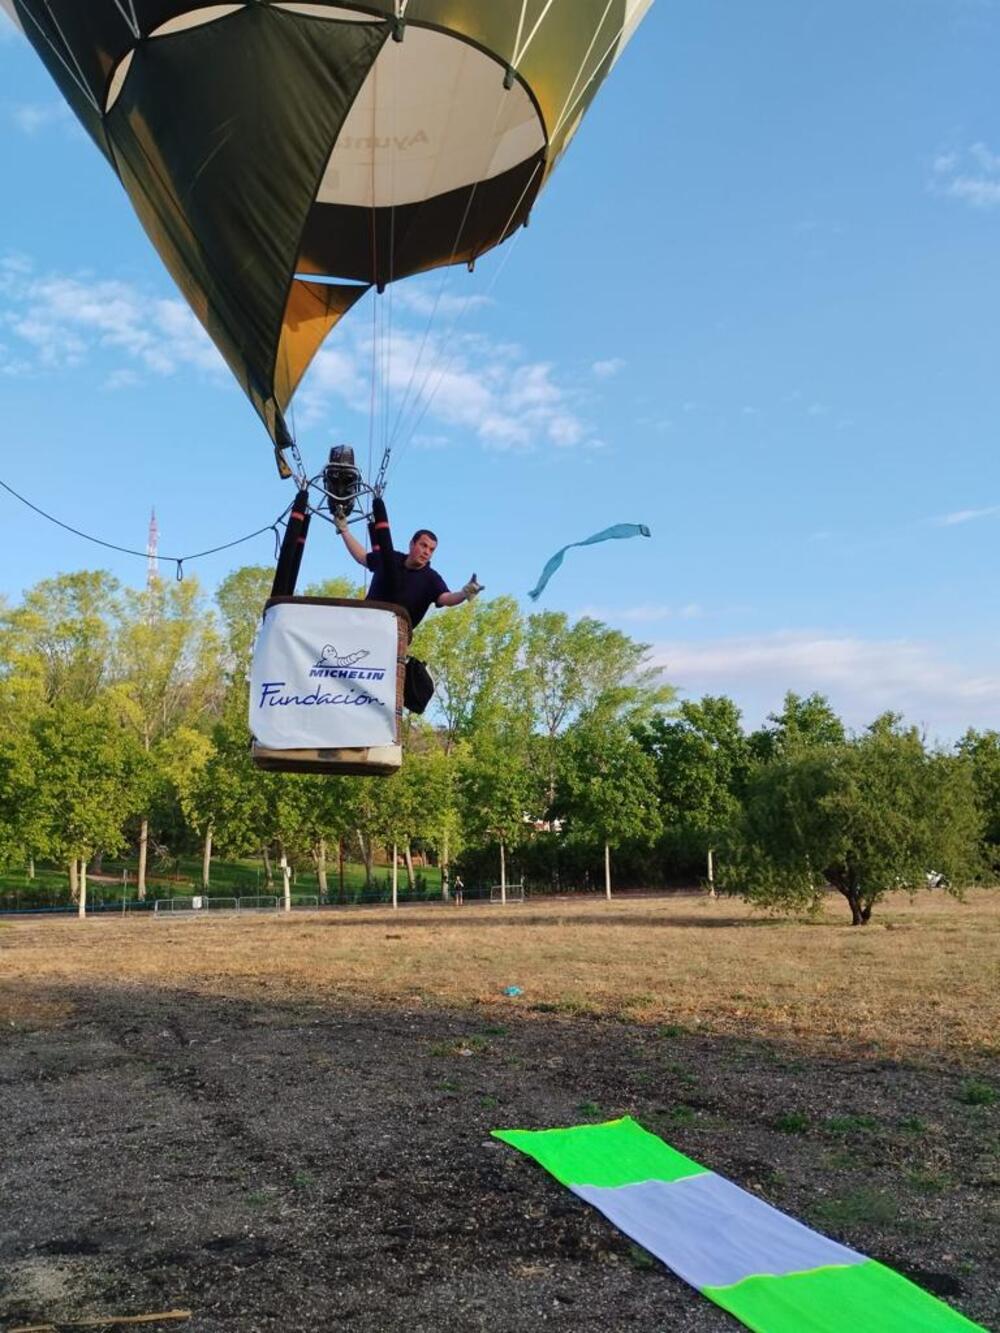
(284, 1124)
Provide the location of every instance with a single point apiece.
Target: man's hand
(340, 523)
(472, 589)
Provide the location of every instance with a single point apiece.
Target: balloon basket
(326, 686)
(377, 761)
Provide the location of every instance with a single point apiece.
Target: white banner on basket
(324, 678)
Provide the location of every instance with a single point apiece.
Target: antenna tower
(152, 542)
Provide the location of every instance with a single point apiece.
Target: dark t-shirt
(416, 589)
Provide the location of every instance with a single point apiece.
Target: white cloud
(966, 516)
(121, 379)
(986, 158)
(62, 321)
(444, 380)
(861, 677)
(645, 614)
(34, 117)
(972, 176)
(606, 370)
(448, 380)
(420, 299)
(975, 190)
(432, 442)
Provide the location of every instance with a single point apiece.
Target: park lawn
(920, 981)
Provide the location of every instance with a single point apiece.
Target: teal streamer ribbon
(619, 531)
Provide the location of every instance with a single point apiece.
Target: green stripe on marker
(865, 1298)
(619, 1152)
(703, 1227)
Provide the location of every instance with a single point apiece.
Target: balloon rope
(375, 280)
(445, 274)
(414, 406)
(586, 57)
(449, 338)
(79, 69)
(78, 79)
(130, 18)
(177, 560)
(519, 55)
(520, 29)
(568, 109)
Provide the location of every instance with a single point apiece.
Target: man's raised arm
(351, 542)
(470, 590)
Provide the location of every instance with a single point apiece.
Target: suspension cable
(177, 560)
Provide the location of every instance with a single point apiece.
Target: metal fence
(511, 893)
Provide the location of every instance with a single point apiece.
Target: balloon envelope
(285, 157)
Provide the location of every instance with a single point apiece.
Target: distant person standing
(458, 888)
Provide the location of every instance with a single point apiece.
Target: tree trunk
(395, 877)
(140, 878)
(82, 906)
(503, 873)
(74, 882)
(265, 856)
(607, 871)
(860, 911)
(445, 873)
(31, 867)
(711, 873)
(408, 857)
(367, 855)
(286, 882)
(321, 867)
(206, 858)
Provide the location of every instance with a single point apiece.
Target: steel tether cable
(177, 560)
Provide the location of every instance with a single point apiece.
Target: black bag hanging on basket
(418, 685)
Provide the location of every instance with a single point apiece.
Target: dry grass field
(923, 979)
(282, 1125)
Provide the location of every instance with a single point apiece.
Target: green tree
(21, 836)
(473, 656)
(338, 586)
(240, 598)
(801, 724)
(866, 816)
(702, 760)
(185, 762)
(608, 788)
(169, 671)
(573, 670)
(58, 644)
(981, 752)
(91, 778)
(501, 787)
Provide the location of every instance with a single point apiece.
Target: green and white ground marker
(769, 1271)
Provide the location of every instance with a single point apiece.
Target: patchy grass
(685, 964)
(854, 1208)
(912, 1124)
(849, 1124)
(792, 1122)
(974, 1093)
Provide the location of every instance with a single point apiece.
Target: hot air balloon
(284, 157)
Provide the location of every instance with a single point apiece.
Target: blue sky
(757, 309)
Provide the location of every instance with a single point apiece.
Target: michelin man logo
(329, 658)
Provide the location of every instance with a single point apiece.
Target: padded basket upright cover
(327, 677)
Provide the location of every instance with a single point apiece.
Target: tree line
(553, 751)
